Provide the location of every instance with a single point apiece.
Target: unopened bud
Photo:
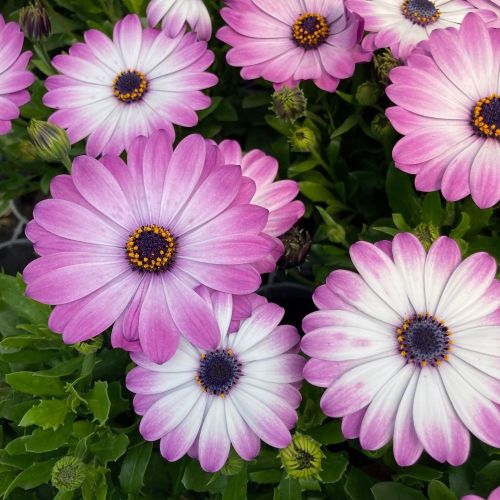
(89, 346)
(303, 140)
(383, 62)
(68, 473)
(289, 104)
(381, 127)
(368, 93)
(35, 22)
(51, 142)
(297, 243)
(302, 457)
(427, 234)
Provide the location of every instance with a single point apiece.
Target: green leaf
(401, 195)
(226, 112)
(98, 402)
(290, 489)
(134, 466)
(400, 223)
(195, 478)
(358, 485)
(50, 413)
(40, 441)
(95, 486)
(34, 383)
(315, 191)
(350, 122)
(439, 491)
(487, 478)
(110, 447)
(301, 167)
(255, 101)
(395, 491)
(463, 226)
(334, 466)
(419, 472)
(236, 488)
(271, 476)
(432, 211)
(329, 433)
(33, 476)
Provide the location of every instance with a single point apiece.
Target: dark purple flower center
(486, 116)
(424, 340)
(421, 12)
(310, 30)
(151, 249)
(219, 370)
(130, 86)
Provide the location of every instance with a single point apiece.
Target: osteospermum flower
(275, 196)
(174, 14)
(300, 40)
(409, 348)
(402, 24)
(112, 91)
(448, 108)
(14, 78)
(240, 391)
(494, 495)
(129, 243)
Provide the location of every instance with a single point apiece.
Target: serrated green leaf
(98, 402)
(35, 384)
(50, 413)
(33, 476)
(110, 447)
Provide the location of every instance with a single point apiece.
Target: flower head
(112, 91)
(174, 14)
(236, 393)
(127, 244)
(35, 22)
(68, 473)
(302, 457)
(289, 104)
(299, 40)
(14, 78)
(402, 24)
(408, 349)
(448, 108)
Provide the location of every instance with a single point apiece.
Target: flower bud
(51, 142)
(297, 243)
(302, 457)
(381, 128)
(35, 22)
(303, 140)
(383, 62)
(68, 473)
(368, 93)
(89, 346)
(427, 234)
(289, 104)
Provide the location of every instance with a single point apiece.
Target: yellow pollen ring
(485, 129)
(304, 36)
(134, 94)
(417, 18)
(158, 257)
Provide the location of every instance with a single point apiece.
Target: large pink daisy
(448, 109)
(401, 24)
(112, 91)
(174, 14)
(14, 78)
(409, 348)
(275, 196)
(129, 243)
(293, 41)
(237, 393)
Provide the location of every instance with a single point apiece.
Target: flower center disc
(130, 86)
(486, 116)
(309, 30)
(151, 248)
(421, 12)
(219, 370)
(424, 339)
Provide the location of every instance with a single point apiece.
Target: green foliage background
(59, 400)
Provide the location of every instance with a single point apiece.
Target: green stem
(67, 163)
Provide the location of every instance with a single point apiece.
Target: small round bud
(383, 62)
(381, 128)
(368, 93)
(289, 104)
(427, 234)
(302, 457)
(89, 346)
(35, 22)
(297, 243)
(303, 140)
(233, 465)
(51, 142)
(68, 473)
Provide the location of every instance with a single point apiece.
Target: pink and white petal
(487, 363)
(283, 369)
(143, 381)
(214, 443)
(320, 372)
(185, 359)
(479, 339)
(485, 175)
(282, 339)
(351, 424)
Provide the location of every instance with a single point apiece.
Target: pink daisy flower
(448, 109)
(493, 5)
(275, 196)
(300, 40)
(112, 91)
(402, 24)
(494, 495)
(128, 244)
(237, 393)
(409, 348)
(174, 14)
(14, 78)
